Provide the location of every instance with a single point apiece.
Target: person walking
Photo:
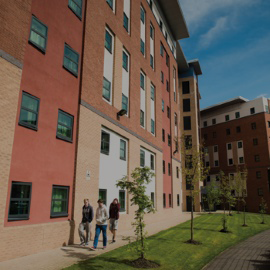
(114, 217)
(101, 219)
(87, 217)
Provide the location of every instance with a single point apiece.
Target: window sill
(42, 50)
(58, 216)
(17, 218)
(78, 16)
(27, 126)
(64, 138)
(70, 71)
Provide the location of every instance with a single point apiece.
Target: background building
(236, 134)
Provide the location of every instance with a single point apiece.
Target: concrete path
(60, 258)
(253, 253)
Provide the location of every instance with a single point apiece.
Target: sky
(231, 39)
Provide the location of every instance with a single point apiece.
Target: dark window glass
(255, 141)
(122, 149)
(142, 15)
(126, 21)
(169, 169)
(167, 59)
(142, 81)
(151, 31)
(185, 87)
(170, 200)
(253, 126)
(59, 205)
(214, 121)
(188, 141)
(108, 41)
(188, 183)
(142, 158)
(64, 126)
(164, 200)
(252, 110)
(103, 195)
(258, 174)
(229, 146)
(76, 7)
(164, 168)
(161, 49)
(38, 34)
(168, 112)
(163, 135)
(162, 77)
(167, 86)
(152, 92)
(169, 140)
(208, 178)
(215, 148)
(187, 123)
(160, 25)
(125, 61)
(142, 47)
(153, 198)
(257, 158)
(20, 198)
(217, 178)
(238, 129)
(151, 61)
(230, 161)
(186, 105)
(177, 172)
(106, 91)
(142, 118)
(205, 137)
(162, 105)
(105, 143)
(204, 123)
(227, 117)
(124, 102)
(240, 144)
(110, 3)
(122, 200)
(228, 131)
(237, 115)
(216, 163)
(241, 160)
(175, 119)
(152, 126)
(188, 162)
(29, 111)
(71, 60)
(152, 162)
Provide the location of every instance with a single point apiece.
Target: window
(169, 140)
(162, 105)
(255, 141)
(106, 91)
(151, 4)
(216, 163)
(186, 105)
(76, 7)
(241, 160)
(152, 92)
(240, 144)
(142, 46)
(188, 183)
(152, 162)
(164, 200)
(64, 126)
(167, 86)
(253, 126)
(59, 207)
(214, 134)
(175, 119)
(169, 169)
(257, 158)
(229, 146)
(168, 112)
(142, 81)
(258, 174)
(124, 102)
(108, 41)
(227, 117)
(185, 87)
(151, 32)
(230, 161)
(188, 162)
(204, 123)
(269, 124)
(161, 50)
(214, 121)
(215, 148)
(178, 199)
(142, 118)
(71, 60)
(252, 110)
(151, 61)
(162, 77)
(126, 22)
(188, 141)
(105, 143)
(177, 172)
(208, 178)
(170, 200)
(238, 129)
(142, 15)
(153, 198)
(122, 200)
(122, 149)
(228, 131)
(205, 137)
(164, 168)
(110, 3)
(163, 135)
(125, 61)
(103, 195)
(187, 123)
(207, 164)
(260, 192)
(142, 158)
(20, 198)
(160, 25)
(152, 126)
(29, 111)
(38, 34)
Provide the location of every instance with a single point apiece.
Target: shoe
(104, 247)
(113, 241)
(87, 243)
(92, 248)
(82, 244)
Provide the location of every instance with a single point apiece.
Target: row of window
(170, 200)
(142, 160)
(29, 117)
(169, 169)
(20, 201)
(121, 198)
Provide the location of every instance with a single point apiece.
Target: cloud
(263, 95)
(213, 33)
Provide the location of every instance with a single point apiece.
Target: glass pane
(108, 41)
(75, 7)
(29, 103)
(64, 131)
(106, 93)
(39, 27)
(19, 208)
(37, 39)
(28, 117)
(20, 191)
(71, 65)
(110, 2)
(71, 54)
(59, 207)
(60, 193)
(65, 119)
(124, 102)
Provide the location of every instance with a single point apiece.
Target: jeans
(102, 228)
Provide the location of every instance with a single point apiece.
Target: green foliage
(137, 187)
(263, 209)
(224, 223)
(212, 195)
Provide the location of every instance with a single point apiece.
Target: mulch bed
(193, 242)
(144, 263)
(224, 231)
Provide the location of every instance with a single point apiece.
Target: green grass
(168, 247)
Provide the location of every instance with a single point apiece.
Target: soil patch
(193, 242)
(143, 263)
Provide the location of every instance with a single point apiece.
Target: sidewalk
(253, 253)
(60, 258)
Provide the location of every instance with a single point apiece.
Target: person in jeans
(101, 219)
(87, 217)
(114, 217)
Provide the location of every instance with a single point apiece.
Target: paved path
(60, 258)
(252, 254)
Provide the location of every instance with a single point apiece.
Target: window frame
(142, 156)
(76, 74)
(123, 103)
(103, 190)
(110, 84)
(62, 214)
(153, 126)
(60, 136)
(142, 47)
(125, 150)
(109, 49)
(121, 208)
(126, 20)
(185, 87)
(125, 64)
(102, 150)
(142, 14)
(78, 15)
(142, 122)
(152, 162)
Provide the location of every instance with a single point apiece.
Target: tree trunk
(238, 206)
(245, 214)
(142, 240)
(191, 224)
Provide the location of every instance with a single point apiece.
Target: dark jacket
(87, 213)
(114, 210)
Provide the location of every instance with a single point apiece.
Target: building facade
(90, 92)
(236, 136)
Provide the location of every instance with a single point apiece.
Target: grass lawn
(168, 247)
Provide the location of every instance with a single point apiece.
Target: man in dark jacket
(87, 217)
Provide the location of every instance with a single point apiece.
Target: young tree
(263, 209)
(212, 195)
(137, 187)
(194, 171)
(243, 175)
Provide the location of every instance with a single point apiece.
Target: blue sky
(231, 39)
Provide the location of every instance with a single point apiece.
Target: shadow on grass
(262, 264)
(75, 253)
